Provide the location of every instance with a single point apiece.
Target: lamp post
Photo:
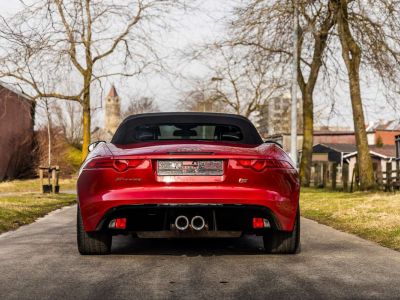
(293, 129)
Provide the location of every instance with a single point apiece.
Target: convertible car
(187, 175)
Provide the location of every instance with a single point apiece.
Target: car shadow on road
(246, 245)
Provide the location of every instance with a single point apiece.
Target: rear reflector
(119, 223)
(260, 223)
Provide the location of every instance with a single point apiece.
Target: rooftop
(345, 148)
(113, 92)
(388, 151)
(10, 88)
(392, 125)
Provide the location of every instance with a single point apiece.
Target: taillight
(99, 163)
(261, 164)
(119, 165)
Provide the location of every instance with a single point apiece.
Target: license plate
(190, 167)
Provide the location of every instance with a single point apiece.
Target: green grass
(22, 203)
(19, 210)
(373, 216)
(33, 185)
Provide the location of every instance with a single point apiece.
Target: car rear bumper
(238, 203)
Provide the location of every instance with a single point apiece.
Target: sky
(204, 24)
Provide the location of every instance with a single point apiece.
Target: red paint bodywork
(100, 190)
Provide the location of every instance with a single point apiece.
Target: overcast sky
(205, 25)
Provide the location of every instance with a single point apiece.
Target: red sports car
(197, 175)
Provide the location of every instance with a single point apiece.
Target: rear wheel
(283, 242)
(97, 243)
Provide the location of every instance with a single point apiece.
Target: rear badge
(243, 180)
(186, 149)
(128, 179)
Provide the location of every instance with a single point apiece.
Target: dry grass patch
(24, 209)
(373, 216)
(33, 185)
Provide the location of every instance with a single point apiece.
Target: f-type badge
(128, 179)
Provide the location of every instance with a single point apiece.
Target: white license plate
(190, 167)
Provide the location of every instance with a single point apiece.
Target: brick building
(16, 132)
(334, 137)
(383, 132)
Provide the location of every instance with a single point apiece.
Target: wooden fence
(390, 179)
(332, 175)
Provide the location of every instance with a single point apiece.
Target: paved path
(40, 261)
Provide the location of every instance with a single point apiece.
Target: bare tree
(83, 39)
(368, 33)
(266, 27)
(67, 116)
(48, 117)
(200, 98)
(240, 80)
(369, 36)
(46, 126)
(140, 106)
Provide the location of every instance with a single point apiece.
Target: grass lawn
(21, 202)
(373, 216)
(17, 210)
(33, 185)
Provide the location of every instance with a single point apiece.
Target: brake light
(258, 165)
(119, 165)
(261, 164)
(133, 163)
(99, 163)
(245, 163)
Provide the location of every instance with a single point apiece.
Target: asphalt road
(40, 261)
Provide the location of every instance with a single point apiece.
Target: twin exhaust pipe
(197, 223)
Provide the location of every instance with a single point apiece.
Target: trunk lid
(186, 149)
(192, 162)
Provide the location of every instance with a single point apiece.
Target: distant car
(197, 175)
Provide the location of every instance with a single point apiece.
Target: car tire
(91, 243)
(283, 242)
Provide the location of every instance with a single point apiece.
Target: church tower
(112, 111)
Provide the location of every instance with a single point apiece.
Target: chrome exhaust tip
(182, 223)
(198, 223)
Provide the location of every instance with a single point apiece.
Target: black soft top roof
(250, 133)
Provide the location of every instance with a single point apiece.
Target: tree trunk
(351, 54)
(307, 90)
(308, 133)
(48, 133)
(86, 120)
(365, 169)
